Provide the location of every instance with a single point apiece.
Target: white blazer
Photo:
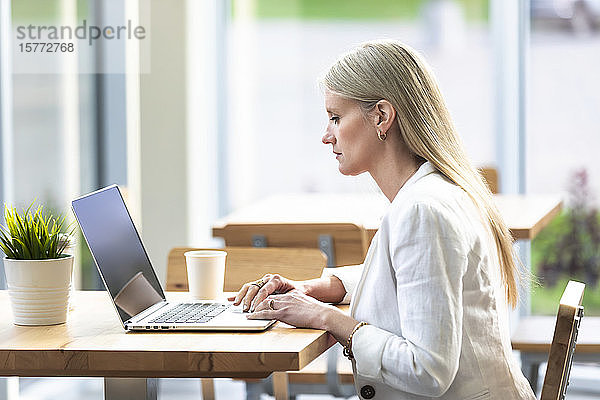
(431, 293)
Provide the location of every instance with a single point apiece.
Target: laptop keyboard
(191, 313)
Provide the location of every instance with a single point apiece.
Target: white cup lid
(205, 253)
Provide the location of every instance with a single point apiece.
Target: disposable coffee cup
(206, 273)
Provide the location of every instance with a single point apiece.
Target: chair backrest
(244, 264)
(490, 175)
(570, 313)
(343, 243)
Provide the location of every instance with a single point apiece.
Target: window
(279, 49)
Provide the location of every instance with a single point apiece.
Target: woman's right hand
(250, 295)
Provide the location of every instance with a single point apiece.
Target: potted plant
(38, 272)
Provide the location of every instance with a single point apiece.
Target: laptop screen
(118, 251)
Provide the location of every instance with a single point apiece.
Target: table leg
(530, 367)
(524, 251)
(9, 388)
(254, 390)
(208, 388)
(280, 386)
(130, 388)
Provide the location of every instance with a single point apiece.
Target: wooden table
(525, 215)
(93, 343)
(541, 328)
(534, 335)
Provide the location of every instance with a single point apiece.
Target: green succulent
(32, 235)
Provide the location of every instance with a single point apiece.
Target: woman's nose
(328, 138)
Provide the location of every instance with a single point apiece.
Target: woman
(428, 306)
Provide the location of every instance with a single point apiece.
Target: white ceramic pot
(39, 290)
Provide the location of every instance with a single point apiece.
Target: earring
(382, 136)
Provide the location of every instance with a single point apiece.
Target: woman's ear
(385, 115)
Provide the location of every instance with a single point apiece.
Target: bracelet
(348, 347)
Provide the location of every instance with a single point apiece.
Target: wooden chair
(570, 313)
(343, 243)
(245, 264)
(490, 175)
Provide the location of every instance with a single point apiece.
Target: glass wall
(277, 52)
(563, 143)
(38, 117)
(69, 125)
(53, 142)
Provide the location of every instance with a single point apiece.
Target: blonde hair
(393, 71)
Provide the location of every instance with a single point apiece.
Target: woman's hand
(303, 311)
(294, 308)
(252, 294)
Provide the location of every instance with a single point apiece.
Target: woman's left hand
(294, 308)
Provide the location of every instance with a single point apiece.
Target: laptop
(131, 281)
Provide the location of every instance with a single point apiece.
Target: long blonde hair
(393, 71)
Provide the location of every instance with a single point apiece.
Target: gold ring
(271, 304)
(259, 283)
